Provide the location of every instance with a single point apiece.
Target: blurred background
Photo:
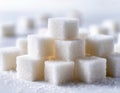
(93, 11)
(23, 17)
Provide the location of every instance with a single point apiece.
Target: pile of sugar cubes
(23, 26)
(68, 54)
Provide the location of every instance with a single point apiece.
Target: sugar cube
(113, 67)
(99, 45)
(90, 69)
(25, 25)
(21, 43)
(30, 69)
(95, 29)
(40, 47)
(8, 58)
(7, 30)
(59, 72)
(44, 19)
(69, 49)
(63, 28)
(112, 26)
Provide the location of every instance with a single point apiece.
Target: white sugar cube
(44, 19)
(30, 69)
(25, 25)
(63, 28)
(40, 47)
(21, 43)
(90, 69)
(59, 72)
(112, 26)
(113, 67)
(99, 45)
(69, 49)
(8, 58)
(95, 29)
(7, 30)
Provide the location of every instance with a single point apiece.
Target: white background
(85, 6)
(94, 11)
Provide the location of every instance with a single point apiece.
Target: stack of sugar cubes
(62, 57)
(108, 27)
(102, 44)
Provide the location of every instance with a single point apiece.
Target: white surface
(86, 6)
(9, 83)
(59, 72)
(69, 49)
(8, 58)
(21, 43)
(63, 28)
(29, 69)
(91, 69)
(99, 45)
(42, 48)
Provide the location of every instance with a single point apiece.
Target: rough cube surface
(113, 67)
(69, 49)
(21, 43)
(90, 69)
(30, 69)
(63, 28)
(40, 47)
(59, 72)
(99, 45)
(8, 58)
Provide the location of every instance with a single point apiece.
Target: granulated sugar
(9, 83)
